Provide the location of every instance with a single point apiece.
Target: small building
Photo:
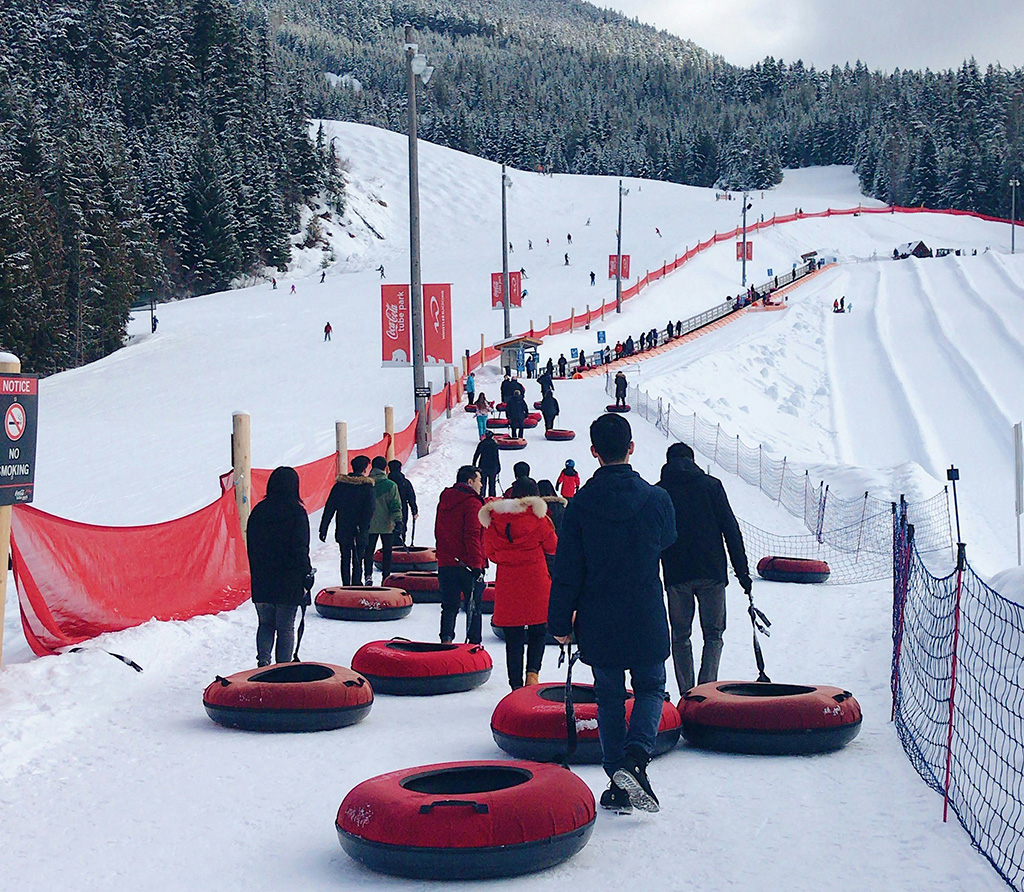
(912, 249)
(515, 350)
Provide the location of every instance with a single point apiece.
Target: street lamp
(416, 65)
(506, 182)
(746, 207)
(1014, 183)
(618, 249)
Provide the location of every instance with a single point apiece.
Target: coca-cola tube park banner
(395, 325)
(437, 324)
(515, 290)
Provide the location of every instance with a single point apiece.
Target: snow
(110, 777)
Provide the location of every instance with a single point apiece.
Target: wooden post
(241, 462)
(341, 443)
(549, 325)
(447, 393)
(588, 315)
(482, 342)
(572, 320)
(465, 366)
(389, 428)
(9, 365)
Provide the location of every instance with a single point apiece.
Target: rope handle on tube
(564, 651)
(759, 623)
(307, 599)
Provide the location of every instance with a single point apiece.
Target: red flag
(395, 325)
(750, 250)
(437, 321)
(613, 265)
(515, 289)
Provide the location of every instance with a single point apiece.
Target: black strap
(128, 661)
(760, 623)
(570, 708)
(298, 636)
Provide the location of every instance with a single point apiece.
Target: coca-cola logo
(394, 318)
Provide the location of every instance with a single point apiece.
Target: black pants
(489, 483)
(456, 584)
(515, 430)
(518, 637)
(549, 420)
(385, 547)
(353, 552)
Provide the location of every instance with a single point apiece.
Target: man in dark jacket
(516, 412)
(694, 566)
(606, 572)
(519, 469)
(407, 496)
(507, 386)
(350, 504)
(487, 459)
(547, 385)
(549, 409)
(460, 553)
(562, 363)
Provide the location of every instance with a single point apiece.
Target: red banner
(395, 325)
(515, 290)
(437, 324)
(613, 265)
(750, 250)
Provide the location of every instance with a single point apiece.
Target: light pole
(1014, 183)
(416, 65)
(745, 208)
(505, 181)
(618, 261)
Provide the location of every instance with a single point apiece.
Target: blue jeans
(648, 700)
(481, 425)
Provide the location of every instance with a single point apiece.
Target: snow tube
(510, 442)
(614, 408)
(767, 718)
(471, 408)
(500, 407)
(487, 601)
(289, 697)
(532, 420)
(497, 422)
(559, 434)
(363, 603)
(787, 569)
(499, 631)
(530, 724)
(536, 404)
(422, 586)
(412, 557)
(422, 668)
(467, 820)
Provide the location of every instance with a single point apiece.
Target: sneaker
(632, 777)
(616, 799)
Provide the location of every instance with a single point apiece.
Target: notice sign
(395, 325)
(19, 405)
(437, 324)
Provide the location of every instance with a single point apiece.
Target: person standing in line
(549, 409)
(556, 508)
(407, 496)
(483, 410)
(507, 386)
(694, 567)
(516, 412)
(327, 331)
(620, 389)
(350, 504)
(517, 536)
(277, 544)
(562, 364)
(568, 480)
(488, 460)
(471, 388)
(519, 469)
(607, 589)
(387, 513)
(668, 331)
(460, 554)
(547, 384)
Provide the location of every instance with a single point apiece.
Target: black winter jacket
(516, 409)
(606, 570)
(549, 408)
(703, 518)
(277, 541)
(351, 504)
(406, 493)
(486, 456)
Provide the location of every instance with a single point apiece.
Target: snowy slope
(114, 778)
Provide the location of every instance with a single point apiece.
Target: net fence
(958, 696)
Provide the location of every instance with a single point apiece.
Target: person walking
(517, 536)
(546, 382)
(516, 412)
(483, 410)
(567, 258)
(593, 278)
(323, 275)
(387, 512)
(519, 469)
(380, 269)
(488, 460)
(350, 504)
(471, 387)
(327, 331)
(406, 495)
(620, 389)
(507, 386)
(277, 544)
(694, 567)
(460, 554)
(606, 588)
(549, 409)
(293, 289)
(556, 508)
(568, 479)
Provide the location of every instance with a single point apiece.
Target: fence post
(821, 509)
(447, 393)
(389, 430)
(483, 358)
(782, 479)
(737, 455)
(860, 527)
(572, 320)
(760, 472)
(549, 325)
(718, 430)
(668, 421)
(241, 464)
(9, 365)
(341, 444)
(961, 560)
(659, 412)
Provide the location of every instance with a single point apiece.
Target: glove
(310, 579)
(477, 574)
(323, 537)
(746, 583)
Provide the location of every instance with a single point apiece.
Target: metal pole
(744, 283)
(416, 282)
(618, 262)
(9, 365)
(504, 257)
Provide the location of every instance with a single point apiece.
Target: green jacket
(387, 506)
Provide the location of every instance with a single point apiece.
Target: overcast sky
(906, 34)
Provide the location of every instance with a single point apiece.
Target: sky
(912, 34)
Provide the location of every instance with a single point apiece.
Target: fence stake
(389, 429)
(447, 393)
(961, 560)
(10, 366)
(782, 479)
(668, 421)
(718, 430)
(737, 455)
(341, 444)
(860, 527)
(572, 321)
(760, 473)
(241, 463)
(821, 514)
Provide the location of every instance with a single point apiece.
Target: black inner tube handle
(697, 698)
(839, 698)
(223, 681)
(355, 682)
(479, 807)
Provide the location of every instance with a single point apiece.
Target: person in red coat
(517, 535)
(460, 555)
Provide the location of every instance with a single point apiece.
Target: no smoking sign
(19, 403)
(15, 420)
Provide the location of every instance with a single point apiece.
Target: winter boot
(631, 776)
(616, 799)
(532, 678)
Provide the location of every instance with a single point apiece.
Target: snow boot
(616, 799)
(532, 678)
(632, 777)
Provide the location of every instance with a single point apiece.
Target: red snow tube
(363, 603)
(767, 718)
(289, 697)
(510, 442)
(532, 420)
(536, 405)
(471, 408)
(614, 408)
(467, 820)
(530, 724)
(421, 668)
(500, 406)
(422, 586)
(497, 422)
(413, 557)
(559, 434)
(487, 601)
(787, 569)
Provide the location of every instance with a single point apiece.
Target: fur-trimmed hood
(513, 506)
(555, 499)
(352, 478)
